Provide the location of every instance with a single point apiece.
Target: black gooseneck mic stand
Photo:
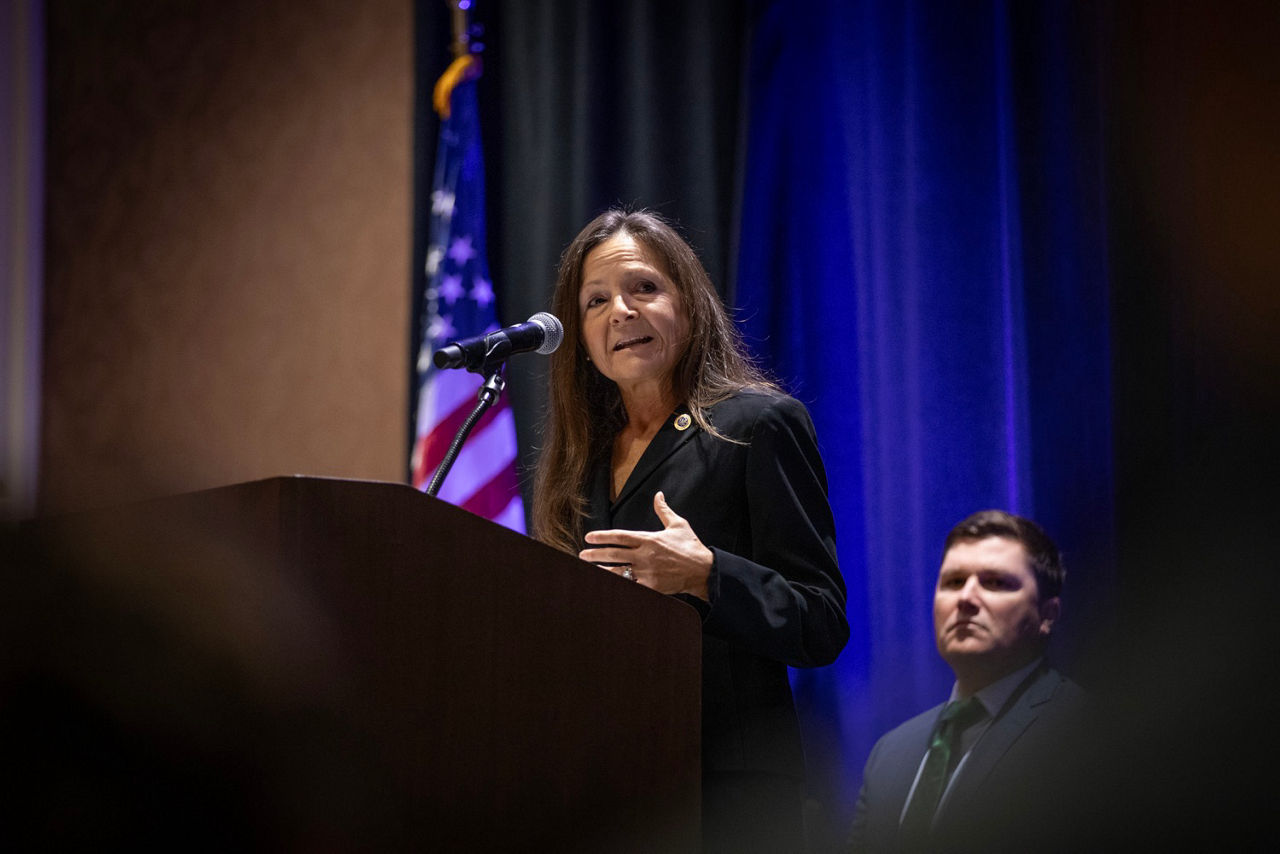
(494, 361)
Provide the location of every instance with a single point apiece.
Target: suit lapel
(599, 517)
(663, 445)
(1019, 713)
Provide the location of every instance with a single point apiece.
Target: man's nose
(969, 593)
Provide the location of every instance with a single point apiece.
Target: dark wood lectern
(452, 684)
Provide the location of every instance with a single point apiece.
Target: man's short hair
(1046, 560)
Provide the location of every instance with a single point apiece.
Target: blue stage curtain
(922, 262)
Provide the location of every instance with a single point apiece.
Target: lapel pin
(683, 421)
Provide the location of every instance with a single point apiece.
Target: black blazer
(776, 594)
(1006, 795)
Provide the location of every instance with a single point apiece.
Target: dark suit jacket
(776, 594)
(1005, 797)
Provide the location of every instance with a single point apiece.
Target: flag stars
(482, 292)
(434, 256)
(442, 203)
(461, 250)
(451, 289)
(441, 327)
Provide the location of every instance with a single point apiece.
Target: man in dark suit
(984, 771)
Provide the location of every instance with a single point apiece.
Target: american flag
(459, 303)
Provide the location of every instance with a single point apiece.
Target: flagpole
(461, 27)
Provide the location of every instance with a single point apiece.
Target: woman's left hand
(672, 560)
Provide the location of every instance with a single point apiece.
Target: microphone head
(552, 329)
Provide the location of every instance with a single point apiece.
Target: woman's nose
(620, 309)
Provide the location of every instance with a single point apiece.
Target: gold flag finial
(466, 64)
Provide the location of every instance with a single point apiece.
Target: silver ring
(628, 574)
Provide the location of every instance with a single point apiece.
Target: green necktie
(938, 764)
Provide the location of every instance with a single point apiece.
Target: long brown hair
(584, 410)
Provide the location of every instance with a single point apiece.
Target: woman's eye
(646, 287)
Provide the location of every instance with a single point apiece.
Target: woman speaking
(671, 460)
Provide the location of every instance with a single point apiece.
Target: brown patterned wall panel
(228, 245)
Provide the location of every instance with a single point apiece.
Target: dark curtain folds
(923, 260)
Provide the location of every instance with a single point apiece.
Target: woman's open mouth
(632, 342)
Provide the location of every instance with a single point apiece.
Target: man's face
(987, 611)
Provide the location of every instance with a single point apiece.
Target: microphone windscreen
(553, 331)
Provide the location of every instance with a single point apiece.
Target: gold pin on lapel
(683, 421)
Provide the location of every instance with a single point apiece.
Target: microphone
(542, 333)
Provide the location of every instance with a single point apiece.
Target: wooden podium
(480, 691)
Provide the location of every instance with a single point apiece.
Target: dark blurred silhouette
(172, 695)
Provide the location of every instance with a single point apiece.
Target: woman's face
(633, 320)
